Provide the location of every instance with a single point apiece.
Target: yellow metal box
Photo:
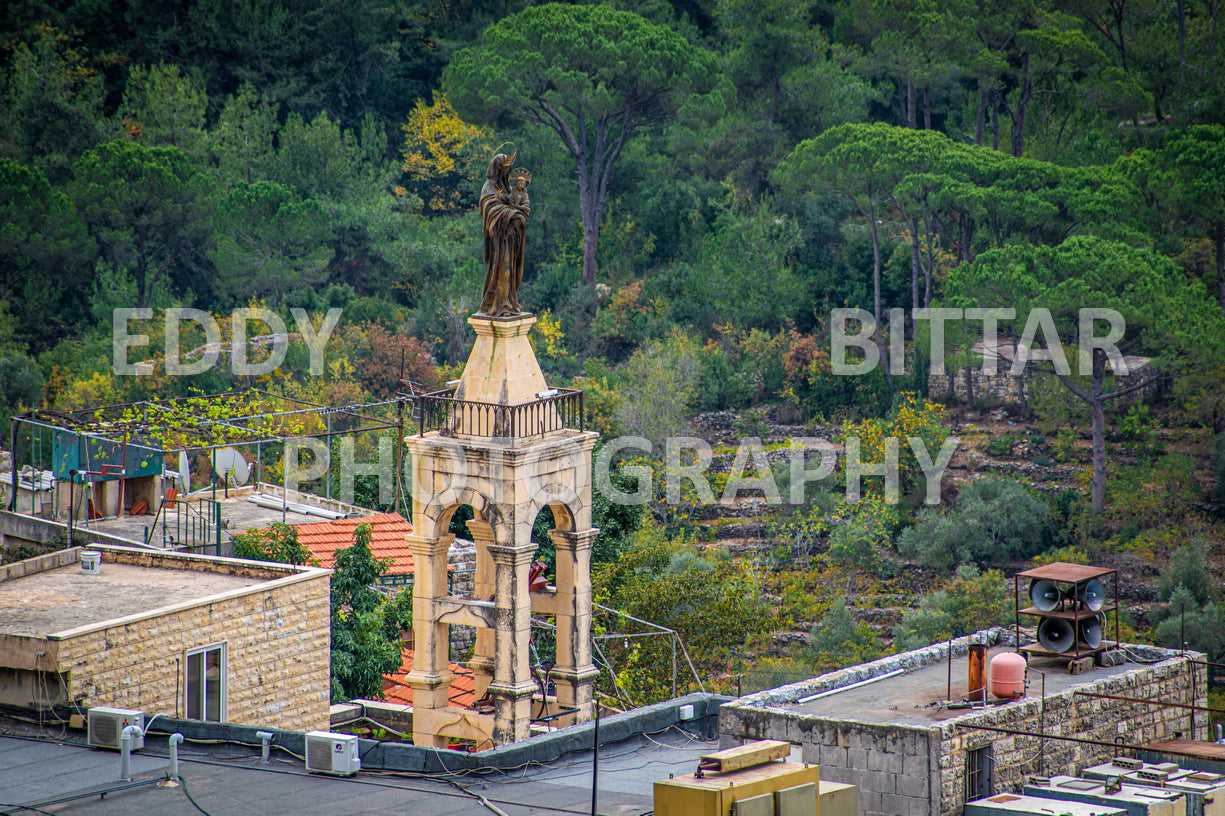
(836, 799)
(713, 794)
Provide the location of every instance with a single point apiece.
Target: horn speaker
(1091, 631)
(1091, 595)
(1056, 635)
(1044, 595)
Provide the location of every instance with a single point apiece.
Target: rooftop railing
(554, 410)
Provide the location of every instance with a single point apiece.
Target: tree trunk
(588, 205)
(970, 387)
(1098, 481)
(591, 236)
(1018, 119)
(880, 335)
(915, 263)
(1182, 36)
(927, 270)
(1220, 263)
(980, 116)
(995, 120)
(912, 120)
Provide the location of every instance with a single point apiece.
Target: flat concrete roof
(916, 696)
(64, 598)
(41, 766)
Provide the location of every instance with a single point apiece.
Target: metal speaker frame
(1056, 635)
(1045, 595)
(1091, 595)
(1091, 631)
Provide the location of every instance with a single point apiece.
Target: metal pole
(1191, 669)
(13, 448)
(948, 695)
(595, 760)
(674, 665)
(72, 480)
(1149, 702)
(1118, 746)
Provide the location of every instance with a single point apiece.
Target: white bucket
(91, 562)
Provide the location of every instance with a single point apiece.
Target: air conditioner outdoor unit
(330, 753)
(106, 727)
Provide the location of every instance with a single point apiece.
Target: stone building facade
(168, 633)
(909, 755)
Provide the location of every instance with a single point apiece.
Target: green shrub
(1065, 445)
(1140, 428)
(1001, 445)
(995, 520)
(969, 602)
(276, 542)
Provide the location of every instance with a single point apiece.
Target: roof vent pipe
(175, 739)
(265, 737)
(125, 757)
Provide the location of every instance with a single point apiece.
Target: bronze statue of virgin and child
(504, 206)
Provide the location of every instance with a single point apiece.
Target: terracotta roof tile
(397, 690)
(324, 538)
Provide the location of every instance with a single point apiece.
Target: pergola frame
(190, 429)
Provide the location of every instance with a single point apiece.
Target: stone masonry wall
(277, 655)
(892, 767)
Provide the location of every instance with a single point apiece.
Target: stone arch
(563, 518)
(564, 509)
(440, 511)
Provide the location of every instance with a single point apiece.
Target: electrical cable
(1136, 659)
(478, 797)
(187, 793)
(22, 807)
(444, 777)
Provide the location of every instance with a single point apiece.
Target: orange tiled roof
(324, 538)
(397, 690)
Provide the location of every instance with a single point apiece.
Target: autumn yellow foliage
(444, 155)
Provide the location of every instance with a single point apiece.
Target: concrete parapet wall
(17, 528)
(392, 756)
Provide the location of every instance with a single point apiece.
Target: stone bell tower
(506, 444)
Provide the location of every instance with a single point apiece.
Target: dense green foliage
(965, 604)
(994, 521)
(363, 649)
(276, 542)
(710, 179)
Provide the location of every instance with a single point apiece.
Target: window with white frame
(205, 687)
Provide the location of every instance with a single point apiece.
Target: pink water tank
(1008, 676)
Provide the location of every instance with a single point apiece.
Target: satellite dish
(1091, 631)
(1056, 635)
(1091, 594)
(184, 472)
(1044, 595)
(230, 465)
